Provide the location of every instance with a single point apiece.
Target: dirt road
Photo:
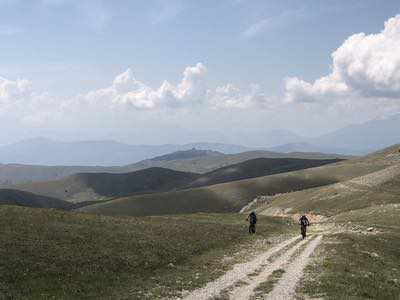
(290, 257)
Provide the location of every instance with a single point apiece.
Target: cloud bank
(364, 66)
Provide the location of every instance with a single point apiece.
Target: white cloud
(189, 92)
(126, 90)
(124, 96)
(364, 66)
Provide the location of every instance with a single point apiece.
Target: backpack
(253, 218)
(304, 222)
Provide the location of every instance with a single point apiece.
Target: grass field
(355, 263)
(63, 255)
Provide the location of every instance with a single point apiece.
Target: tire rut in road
(286, 287)
(239, 273)
(246, 291)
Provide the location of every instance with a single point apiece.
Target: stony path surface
(244, 278)
(238, 273)
(246, 291)
(285, 288)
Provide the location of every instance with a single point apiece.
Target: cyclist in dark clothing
(303, 222)
(252, 218)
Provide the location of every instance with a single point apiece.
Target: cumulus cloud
(127, 90)
(125, 95)
(365, 65)
(189, 92)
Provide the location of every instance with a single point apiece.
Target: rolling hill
(380, 187)
(257, 167)
(192, 160)
(21, 198)
(198, 161)
(232, 196)
(101, 186)
(359, 217)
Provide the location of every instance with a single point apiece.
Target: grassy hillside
(374, 188)
(256, 168)
(60, 255)
(100, 186)
(232, 196)
(359, 255)
(20, 198)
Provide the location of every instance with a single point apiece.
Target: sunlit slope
(232, 196)
(258, 167)
(375, 188)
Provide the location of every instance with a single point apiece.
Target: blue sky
(67, 48)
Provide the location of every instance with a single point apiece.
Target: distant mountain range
(358, 139)
(42, 151)
(352, 140)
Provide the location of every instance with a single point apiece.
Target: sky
(155, 72)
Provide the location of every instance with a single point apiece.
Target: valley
(160, 233)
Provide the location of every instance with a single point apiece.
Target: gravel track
(238, 273)
(286, 286)
(245, 292)
(241, 282)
